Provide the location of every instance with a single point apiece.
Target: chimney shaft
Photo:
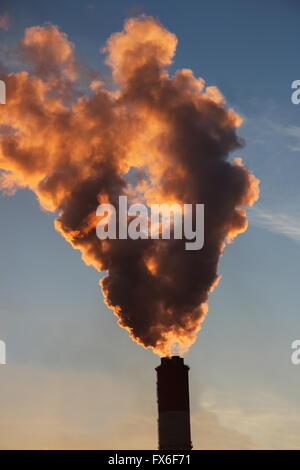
(174, 431)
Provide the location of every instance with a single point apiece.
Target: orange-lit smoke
(75, 150)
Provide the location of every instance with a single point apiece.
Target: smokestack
(174, 432)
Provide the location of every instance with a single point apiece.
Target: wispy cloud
(269, 421)
(289, 131)
(293, 131)
(4, 22)
(285, 224)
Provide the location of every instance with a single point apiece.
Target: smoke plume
(155, 138)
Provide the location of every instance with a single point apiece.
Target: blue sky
(68, 361)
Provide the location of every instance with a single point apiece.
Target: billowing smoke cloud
(171, 134)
